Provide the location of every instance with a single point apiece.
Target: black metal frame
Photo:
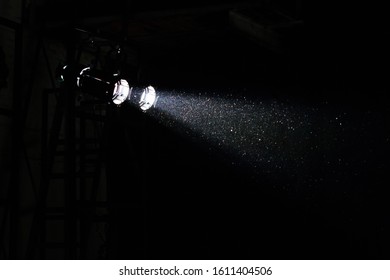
(78, 212)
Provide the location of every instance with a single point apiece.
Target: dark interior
(318, 191)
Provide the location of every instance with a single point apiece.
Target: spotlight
(143, 97)
(148, 98)
(108, 87)
(122, 91)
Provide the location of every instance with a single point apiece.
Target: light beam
(265, 134)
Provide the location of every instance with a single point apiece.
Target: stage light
(122, 90)
(143, 97)
(148, 98)
(109, 87)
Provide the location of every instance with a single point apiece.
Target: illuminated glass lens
(121, 92)
(148, 98)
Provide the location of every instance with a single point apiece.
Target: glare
(148, 98)
(121, 92)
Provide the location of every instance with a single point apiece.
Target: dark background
(197, 205)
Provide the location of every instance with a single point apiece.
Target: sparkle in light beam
(267, 133)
